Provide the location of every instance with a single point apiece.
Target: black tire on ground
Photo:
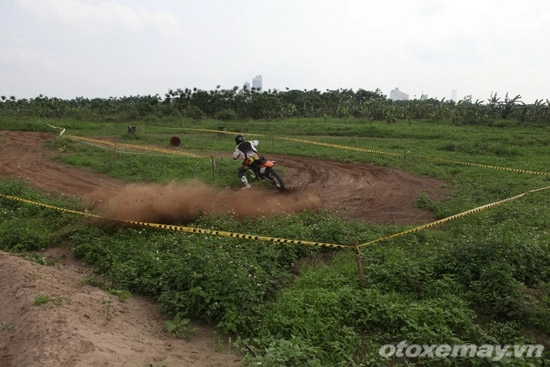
(277, 180)
(175, 141)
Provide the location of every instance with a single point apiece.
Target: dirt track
(77, 331)
(360, 191)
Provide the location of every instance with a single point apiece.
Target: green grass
(481, 279)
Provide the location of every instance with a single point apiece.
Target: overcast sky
(115, 48)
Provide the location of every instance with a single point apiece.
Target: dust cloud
(181, 203)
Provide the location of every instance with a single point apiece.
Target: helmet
(239, 139)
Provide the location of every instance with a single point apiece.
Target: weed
(6, 326)
(95, 281)
(122, 295)
(180, 326)
(108, 306)
(39, 259)
(59, 300)
(423, 201)
(40, 300)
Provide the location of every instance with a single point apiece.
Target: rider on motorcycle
(247, 152)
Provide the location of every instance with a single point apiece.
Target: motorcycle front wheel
(252, 174)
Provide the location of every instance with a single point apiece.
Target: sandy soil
(84, 326)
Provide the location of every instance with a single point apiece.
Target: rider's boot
(245, 183)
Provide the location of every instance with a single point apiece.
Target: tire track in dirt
(363, 191)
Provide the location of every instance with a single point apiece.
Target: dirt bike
(263, 170)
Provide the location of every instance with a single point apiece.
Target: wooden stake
(359, 264)
(213, 169)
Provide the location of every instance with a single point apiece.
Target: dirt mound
(82, 325)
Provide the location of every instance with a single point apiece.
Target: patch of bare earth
(83, 325)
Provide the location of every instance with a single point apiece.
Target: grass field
(482, 279)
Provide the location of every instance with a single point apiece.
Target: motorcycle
(263, 170)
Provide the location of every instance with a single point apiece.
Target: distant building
(246, 86)
(397, 95)
(257, 83)
(453, 95)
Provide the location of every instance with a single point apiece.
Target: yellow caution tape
(185, 229)
(452, 217)
(482, 165)
(219, 131)
(340, 146)
(15, 198)
(134, 146)
(237, 235)
(277, 239)
(62, 129)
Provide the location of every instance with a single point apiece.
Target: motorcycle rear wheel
(275, 179)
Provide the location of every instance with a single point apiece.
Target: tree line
(246, 104)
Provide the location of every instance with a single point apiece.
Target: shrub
(225, 115)
(194, 113)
